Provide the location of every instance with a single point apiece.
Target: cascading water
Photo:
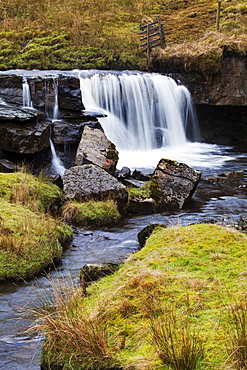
(144, 111)
(27, 101)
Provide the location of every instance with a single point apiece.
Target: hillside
(103, 34)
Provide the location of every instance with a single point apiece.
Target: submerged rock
(95, 148)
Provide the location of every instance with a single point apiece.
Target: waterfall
(56, 163)
(26, 98)
(56, 108)
(144, 110)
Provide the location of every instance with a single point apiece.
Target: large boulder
(95, 148)
(177, 181)
(92, 182)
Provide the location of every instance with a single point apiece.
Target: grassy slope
(100, 34)
(185, 277)
(29, 238)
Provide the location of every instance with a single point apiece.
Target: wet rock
(11, 89)
(124, 173)
(177, 182)
(15, 114)
(145, 233)
(7, 166)
(95, 148)
(45, 88)
(138, 175)
(95, 271)
(225, 177)
(92, 182)
(28, 138)
(141, 206)
(134, 183)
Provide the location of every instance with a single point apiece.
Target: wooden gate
(154, 35)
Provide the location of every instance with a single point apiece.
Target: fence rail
(149, 36)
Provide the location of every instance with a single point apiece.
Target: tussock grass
(28, 241)
(179, 346)
(238, 335)
(25, 189)
(171, 291)
(91, 213)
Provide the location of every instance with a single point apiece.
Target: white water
(27, 100)
(56, 163)
(144, 110)
(149, 117)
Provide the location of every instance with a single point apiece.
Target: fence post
(218, 16)
(162, 34)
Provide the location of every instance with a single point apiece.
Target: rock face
(26, 138)
(177, 181)
(92, 182)
(226, 86)
(95, 148)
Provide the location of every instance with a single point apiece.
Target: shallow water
(223, 202)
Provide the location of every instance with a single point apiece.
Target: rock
(28, 138)
(11, 89)
(124, 173)
(134, 183)
(19, 114)
(95, 148)
(141, 206)
(69, 131)
(145, 233)
(95, 271)
(225, 177)
(138, 175)
(92, 182)
(44, 89)
(7, 166)
(177, 181)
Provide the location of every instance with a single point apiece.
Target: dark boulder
(177, 182)
(28, 138)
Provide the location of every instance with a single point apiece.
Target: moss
(194, 272)
(26, 189)
(151, 190)
(28, 241)
(91, 213)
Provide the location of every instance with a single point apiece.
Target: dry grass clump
(238, 335)
(178, 344)
(73, 335)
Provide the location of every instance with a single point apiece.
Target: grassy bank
(30, 239)
(179, 303)
(103, 34)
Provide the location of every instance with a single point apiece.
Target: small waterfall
(56, 163)
(144, 110)
(26, 98)
(56, 108)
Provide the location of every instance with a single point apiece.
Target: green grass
(26, 189)
(91, 213)
(29, 241)
(103, 34)
(185, 282)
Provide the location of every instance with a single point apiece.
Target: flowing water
(142, 142)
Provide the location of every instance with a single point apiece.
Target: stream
(222, 202)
